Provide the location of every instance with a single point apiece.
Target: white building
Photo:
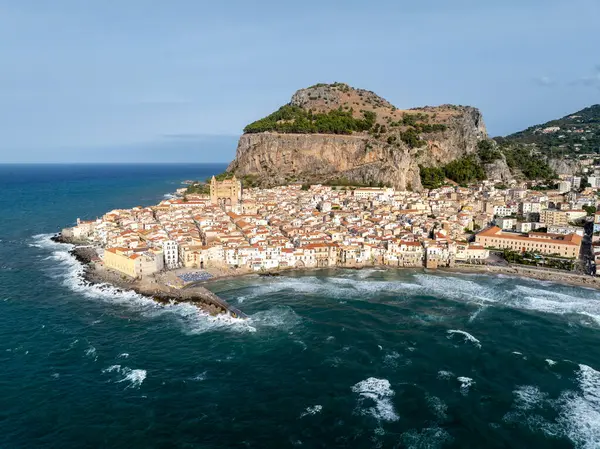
(575, 181)
(503, 210)
(525, 227)
(505, 223)
(564, 186)
(528, 207)
(171, 254)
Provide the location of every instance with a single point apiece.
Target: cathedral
(225, 193)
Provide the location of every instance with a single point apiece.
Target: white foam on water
(91, 352)
(112, 368)
(200, 377)
(578, 411)
(443, 374)
(309, 411)
(458, 288)
(280, 317)
(465, 384)
(475, 314)
(528, 397)
(135, 377)
(543, 297)
(380, 393)
(334, 287)
(438, 407)
(579, 417)
(391, 359)
(467, 337)
(124, 355)
(71, 271)
(550, 362)
(427, 438)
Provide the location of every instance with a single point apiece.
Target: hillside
(569, 136)
(333, 133)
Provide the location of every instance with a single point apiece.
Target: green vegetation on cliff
(518, 157)
(532, 166)
(294, 119)
(488, 152)
(569, 136)
(462, 171)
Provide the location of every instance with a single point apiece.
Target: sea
(326, 359)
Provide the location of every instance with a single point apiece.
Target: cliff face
(382, 154)
(498, 170)
(565, 166)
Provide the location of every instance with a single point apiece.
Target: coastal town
(234, 230)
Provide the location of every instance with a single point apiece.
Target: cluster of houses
(323, 226)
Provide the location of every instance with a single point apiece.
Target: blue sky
(124, 80)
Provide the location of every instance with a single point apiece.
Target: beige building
(553, 217)
(561, 217)
(133, 263)
(541, 242)
(225, 193)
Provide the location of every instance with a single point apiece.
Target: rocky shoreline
(94, 273)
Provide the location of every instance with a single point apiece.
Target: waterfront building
(550, 244)
(171, 254)
(133, 263)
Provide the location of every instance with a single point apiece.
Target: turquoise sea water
(327, 358)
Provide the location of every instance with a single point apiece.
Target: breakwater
(96, 274)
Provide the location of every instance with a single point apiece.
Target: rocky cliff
(335, 133)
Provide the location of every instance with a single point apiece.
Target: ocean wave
(443, 374)
(380, 393)
(135, 377)
(280, 317)
(438, 407)
(342, 288)
(429, 437)
(91, 353)
(71, 272)
(309, 411)
(467, 337)
(579, 417)
(528, 397)
(200, 377)
(578, 411)
(556, 299)
(465, 384)
(475, 314)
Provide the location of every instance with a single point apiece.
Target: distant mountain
(572, 135)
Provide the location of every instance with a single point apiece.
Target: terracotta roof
(495, 231)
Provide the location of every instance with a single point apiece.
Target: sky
(177, 80)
